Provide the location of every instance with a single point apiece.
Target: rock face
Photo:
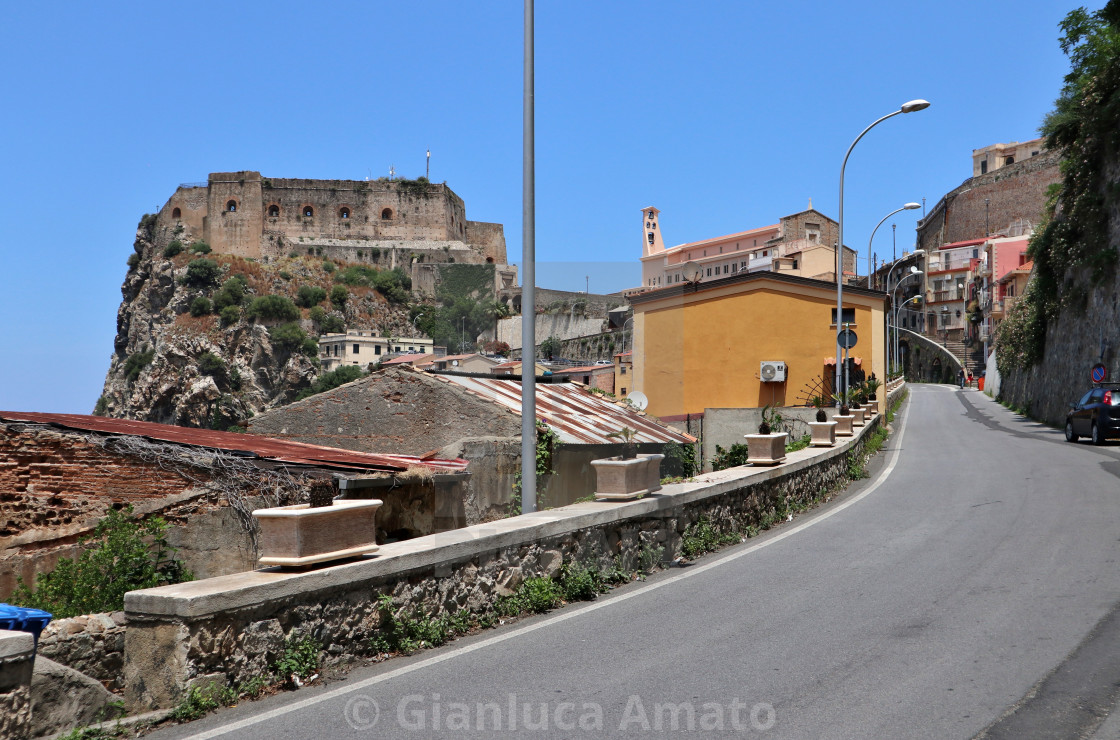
(62, 698)
(212, 371)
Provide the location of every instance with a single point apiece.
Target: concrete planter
(858, 414)
(843, 425)
(766, 449)
(824, 433)
(300, 535)
(618, 480)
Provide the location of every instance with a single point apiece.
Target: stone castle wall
(1015, 192)
(243, 214)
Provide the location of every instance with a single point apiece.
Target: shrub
(232, 292)
(123, 554)
(290, 337)
(328, 381)
(201, 306)
(212, 365)
(172, 249)
(730, 458)
(137, 362)
(310, 295)
(317, 314)
(275, 307)
(285, 275)
(230, 315)
(202, 273)
(339, 296)
(333, 324)
(201, 247)
(101, 407)
(328, 266)
(133, 261)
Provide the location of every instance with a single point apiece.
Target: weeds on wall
(546, 444)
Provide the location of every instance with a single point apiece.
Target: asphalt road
(969, 589)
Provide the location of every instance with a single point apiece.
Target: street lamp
(913, 271)
(871, 267)
(897, 311)
(908, 107)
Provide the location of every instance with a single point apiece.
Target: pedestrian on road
(969, 378)
(960, 378)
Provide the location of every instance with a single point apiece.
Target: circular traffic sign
(846, 338)
(1099, 373)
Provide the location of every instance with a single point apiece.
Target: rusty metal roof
(267, 448)
(574, 414)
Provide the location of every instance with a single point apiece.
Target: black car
(1096, 415)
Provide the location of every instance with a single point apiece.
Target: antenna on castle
(428, 166)
(392, 172)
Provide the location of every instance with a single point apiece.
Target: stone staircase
(972, 356)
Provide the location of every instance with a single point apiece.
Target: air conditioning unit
(772, 371)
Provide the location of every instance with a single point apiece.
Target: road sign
(1099, 373)
(846, 338)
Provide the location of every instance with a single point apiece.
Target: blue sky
(724, 115)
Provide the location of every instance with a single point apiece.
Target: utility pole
(428, 167)
(528, 279)
(587, 285)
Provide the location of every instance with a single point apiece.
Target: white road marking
(566, 615)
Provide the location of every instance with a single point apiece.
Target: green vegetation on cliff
(1071, 249)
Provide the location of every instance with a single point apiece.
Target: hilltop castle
(412, 224)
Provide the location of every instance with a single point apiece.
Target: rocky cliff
(200, 342)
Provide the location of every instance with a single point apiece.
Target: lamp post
(870, 266)
(896, 313)
(913, 271)
(908, 107)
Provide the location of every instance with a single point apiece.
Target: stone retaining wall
(92, 644)
(232, 628)
(16, 661)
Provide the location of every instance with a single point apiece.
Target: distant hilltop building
(391, 223)
(802, 244)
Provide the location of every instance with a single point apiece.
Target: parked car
(1096, 415)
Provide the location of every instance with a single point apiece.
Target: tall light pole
(909, 107)
(897, 358)
(870, 266)
(528, 281)
(913, 271)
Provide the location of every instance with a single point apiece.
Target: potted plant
(844, 418)
(823, 430)
(628, 475)
(768, 447)
(872, 385)
(322, 530)
(856, 406)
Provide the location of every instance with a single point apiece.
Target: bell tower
(651, 233)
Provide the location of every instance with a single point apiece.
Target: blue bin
(35, 621)
(24, 619)
(11, 618)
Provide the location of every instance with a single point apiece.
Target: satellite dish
(638, 400)
(691, 271)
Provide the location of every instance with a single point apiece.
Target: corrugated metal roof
(247, 444)
(574, 414)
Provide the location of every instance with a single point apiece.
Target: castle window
(983, 167)
(344, 213)
(489, 260)
(231, 206)
(1009, 160)
(177, 213)
(273, 211)
(308, 212)
(386, 214)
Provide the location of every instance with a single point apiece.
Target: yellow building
(703, 345)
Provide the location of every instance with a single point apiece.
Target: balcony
(939, 296)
